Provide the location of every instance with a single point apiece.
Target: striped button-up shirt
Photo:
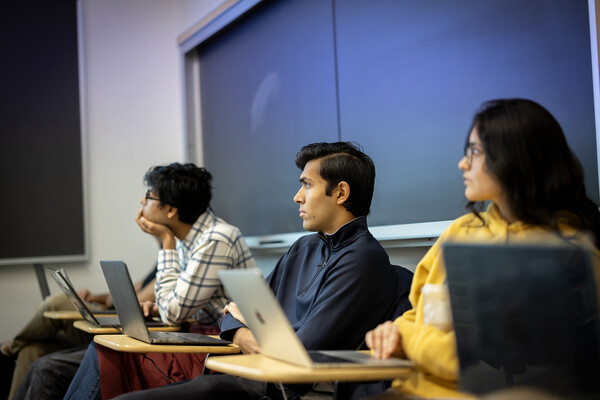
(187, 281)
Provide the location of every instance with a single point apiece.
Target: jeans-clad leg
(86, 383)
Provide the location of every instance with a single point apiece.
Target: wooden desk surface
(68, 315)
(265, 369)
(88, 327)
(130, 345)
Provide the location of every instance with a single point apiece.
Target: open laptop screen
(524, 315)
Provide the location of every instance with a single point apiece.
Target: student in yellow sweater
(516, 157)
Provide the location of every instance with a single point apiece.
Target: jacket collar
(346, 233)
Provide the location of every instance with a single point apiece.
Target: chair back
(404, 280)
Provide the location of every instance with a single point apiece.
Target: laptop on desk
(68, 288)
(131, 316)
(524, 315)
(274, 333)
(41, 278)
(61, 278)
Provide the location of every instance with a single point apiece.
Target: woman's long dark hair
(526, 150)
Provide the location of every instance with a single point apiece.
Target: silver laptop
(61, 278)
(131, 316)
(274, 333)
(524, 315)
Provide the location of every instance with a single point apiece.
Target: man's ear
(343, 192)
(171, 211)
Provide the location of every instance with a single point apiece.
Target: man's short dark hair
(343, 161)
(185, 186)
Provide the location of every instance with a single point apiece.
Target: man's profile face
(152, 210)
(317, 210)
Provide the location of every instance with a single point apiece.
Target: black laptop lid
(125, 299)
(524, 315)
(131, 316)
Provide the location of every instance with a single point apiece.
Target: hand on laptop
(85, 294)
(245, 339)
(149, 308)
(233, 309)
(385, 341)
(88, 296)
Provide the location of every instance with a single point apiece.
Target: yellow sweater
(433, 350)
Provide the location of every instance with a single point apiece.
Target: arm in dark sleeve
(229, 325)
(355, 297)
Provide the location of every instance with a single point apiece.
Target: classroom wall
(133, 119)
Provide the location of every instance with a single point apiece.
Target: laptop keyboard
(108, 320)
(166, 336)
(106, 311)
(324, 358)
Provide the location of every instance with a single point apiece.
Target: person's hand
(85, 295)
(385, 341)
(89, 297)
(245, 339)
(108, 301)
(233, 309)
(150, 309)
(160, 231)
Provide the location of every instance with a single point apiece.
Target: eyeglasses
(470, 151)
(148, 196)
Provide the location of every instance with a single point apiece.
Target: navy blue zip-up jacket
(332, 288)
